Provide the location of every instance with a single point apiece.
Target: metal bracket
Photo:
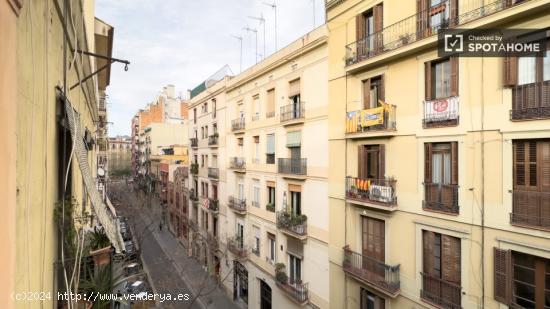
(110, 59)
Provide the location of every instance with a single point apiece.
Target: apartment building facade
(439, 165)
(276, 181)
(207, 180)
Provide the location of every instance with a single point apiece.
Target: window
(270, 153)
(256, 245)
(527, 70)
(256, 106)
(214, 108)
(272, 246)
(256, 158)
(441, 177)
(240, 108)
(373, 90)
(296, 201)
(195, 115)
(294, 269)
(441, 78)
(270, 108)
(215, 128)
(371, 301)
(371, 162)
(256, 193)
(373, 242)
(271, 195)
(367, 24)
(441, 274)
(214, 161)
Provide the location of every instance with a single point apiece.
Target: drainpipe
(482, 187)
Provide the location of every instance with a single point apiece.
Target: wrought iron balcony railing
(213, 173)
(237, 204)
(293, 111)
(441, 197)
(294, 166)
(423, 24)
(213, 204)
(194, 142)
(213, 140)
(441, 113)
(297, 224)
(237, 124)
(372, 119)
(296, 289)
(530, 209)
(378, 191)
(531, 101)
(194, 168)
(193, 195)
(441, 293)
(237, 246)
(237, 163)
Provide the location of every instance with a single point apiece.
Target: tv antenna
(274, 7)
(248, 29)
(261, 19)
(240, 38)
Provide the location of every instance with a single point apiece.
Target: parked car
(136, 287)
(131, 269)
(130, 250)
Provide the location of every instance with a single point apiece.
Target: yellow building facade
(432, 204)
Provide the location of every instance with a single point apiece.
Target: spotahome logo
(491, 42)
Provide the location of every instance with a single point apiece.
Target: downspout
(482, 186)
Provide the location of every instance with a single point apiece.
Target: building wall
(484, 135)
(164, 135)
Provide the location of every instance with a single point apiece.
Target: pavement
(165, 259)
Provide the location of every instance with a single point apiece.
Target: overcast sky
(182, 42)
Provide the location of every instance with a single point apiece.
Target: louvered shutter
(454, 163)
(544, 178)
(381, 162)
(519, 165)
(454, 76)
(382, 91)
(378, 16)
(422, 18)
(362, 154)
(502, 276)
(360, 26)
(294, 87)
(510, 74)
(428, 162)
(428, 80)
(450, 247)
(428, 240)
(366, 93)
(270, 102)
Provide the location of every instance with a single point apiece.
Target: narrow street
(169, 269)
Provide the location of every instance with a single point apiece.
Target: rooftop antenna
(261, 19)
(274, 7)
(248, 29)
(240, 38)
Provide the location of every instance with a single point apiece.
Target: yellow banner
(372, 116)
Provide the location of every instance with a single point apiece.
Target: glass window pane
(526, 70)
(546, 66)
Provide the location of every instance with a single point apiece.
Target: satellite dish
(101, 172)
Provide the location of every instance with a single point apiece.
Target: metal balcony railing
(293, 111)
(193, 195)
(531, 101)
(237, 124)
(213, 140)
(372, 271)
(530, 209)
(213, 204)
(213, 173)
(236, 246)
(194, 168)
(378, 191)
(294, 288)
(441, 197)
(237, 163)
(441, 293)
(371, 119)
(194, 142)
(421, 25)
(295, 166)
(441, 113)
(237, 204)
(296, 224)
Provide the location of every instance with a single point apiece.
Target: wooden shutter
(374, 242)
(382, 90)
(270, 101)
(381, 162)
(450, 255)
(454, 76)
(294, 87)
(422, 18)
(360, 26)
(510, 74)
(362, 158)
(378, 16)
(453, 12)
(502, 276)
(454, 163)
(519, 164)
(428, 162)
(428, 257)
(428, 80)
(366, 93)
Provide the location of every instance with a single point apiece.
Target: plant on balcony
(270, 207)
(98, 239)
(63, 215)
(280, 274)
(298, 219)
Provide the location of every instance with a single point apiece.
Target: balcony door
(373, 246)
(265, 295)
(240, 234)
(296, 201)
(294, 269)
(441, 176)
(371, 162)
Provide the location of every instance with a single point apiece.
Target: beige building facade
(432, 202)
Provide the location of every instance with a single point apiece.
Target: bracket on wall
(110, 59)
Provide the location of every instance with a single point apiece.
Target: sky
(182, 42)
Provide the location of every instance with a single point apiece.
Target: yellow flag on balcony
(372, 116)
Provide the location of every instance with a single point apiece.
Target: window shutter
(382, 161)
(294, 87)
(360, 27)
(502, 276)
(544, 168)
(361, 153)
(270, 101)
(454, 163)
(270, 144)
(382, 92)
(422, 20)
(510, 74)
(450, 258)
(378, 15)
(454, 76)
(454, 12)
(428, 241)
(293, 139)
(366, 93)
(428, 80)
(428, 162)
(519, 164)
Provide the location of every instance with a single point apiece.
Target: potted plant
(100, 246)
(270, 207)
(280, 274)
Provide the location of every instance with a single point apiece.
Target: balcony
(193, 195)
(293, 113)
(294, 289)
(441, 293)
(194, 142)
(194, 169)
(441, 198)
(238, 125)
(237, 204)
(236, 246)
(214, 173)
(212, 241)
(531, 101)
(441, 113)
(365, 122)
(383, 277)
(376, 193)
(292, 166)
(213, 204)
(291, 224)
(530, 209)
(213, 140)
(238, 164)
(421, 25)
